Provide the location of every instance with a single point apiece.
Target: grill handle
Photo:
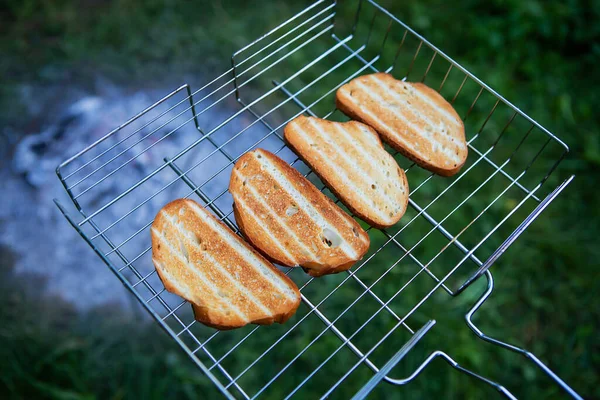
(382, 374)
(516, 349)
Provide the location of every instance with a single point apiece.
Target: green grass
(543, 56)
(50, 351)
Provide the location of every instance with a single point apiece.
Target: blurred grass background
(541, 55)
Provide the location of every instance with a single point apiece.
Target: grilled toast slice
(350, 158)
(413, 118)
(289, 220)
(228, 283)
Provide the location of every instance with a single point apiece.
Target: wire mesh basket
(352, 329)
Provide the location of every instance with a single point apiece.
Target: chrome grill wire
(312, 27)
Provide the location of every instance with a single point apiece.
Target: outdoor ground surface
(542, 55)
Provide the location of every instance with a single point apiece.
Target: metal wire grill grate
(185, 146)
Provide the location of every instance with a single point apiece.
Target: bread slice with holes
(413, 118)
(289, 220)
(350, 158)
(227, 282)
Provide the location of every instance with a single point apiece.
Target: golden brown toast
(289, 220)
(350, 158)
(228, 283)
(413, 118)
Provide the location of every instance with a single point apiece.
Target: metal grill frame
(311, 25)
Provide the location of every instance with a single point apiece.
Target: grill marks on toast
(293, 190)
(333, 151)
(414, 118)
(417, 102)
(350, 158)
(279, 228)
(411, 117)
(279, 220)
(340, 167)
(228, 284)
(278, 215)
(218, 272)
(286, 208)
(190, 279)
(351, 132)
(240, 251)
(308, 209)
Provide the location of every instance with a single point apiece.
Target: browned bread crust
(227, 282)
(350, 158)
(289, 220)
(413, 118)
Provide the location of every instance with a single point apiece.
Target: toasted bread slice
(350, 158)
(413, 118)
(289, 220)
(228, 283)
